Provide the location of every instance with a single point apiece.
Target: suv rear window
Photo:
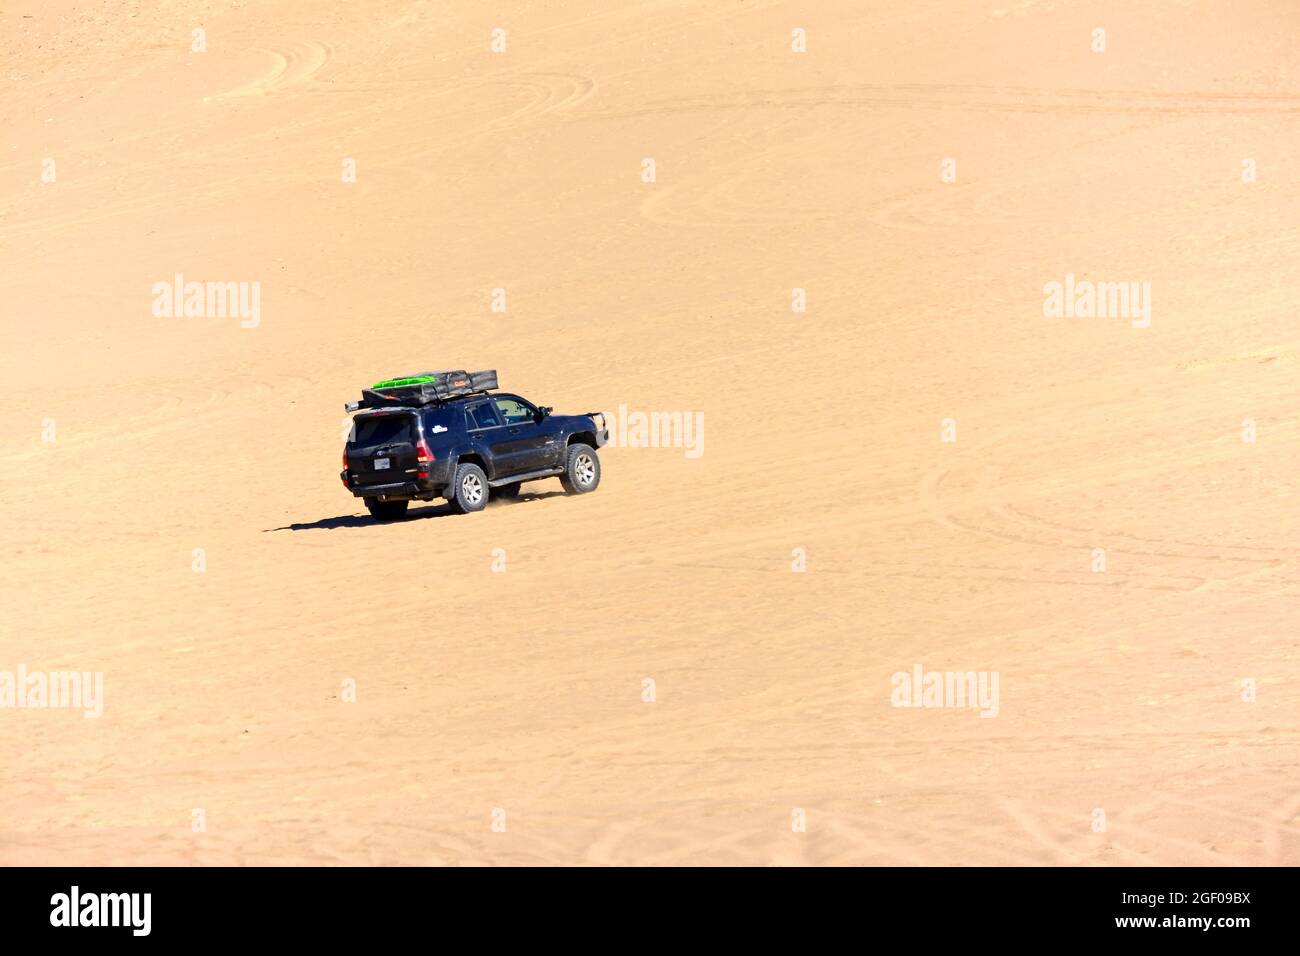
(483, 415)
(371, 430)
(438, 421)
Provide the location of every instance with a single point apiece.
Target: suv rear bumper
(425, 487)
(400, 490)
(394, 489)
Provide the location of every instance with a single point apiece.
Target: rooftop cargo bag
(427, 388)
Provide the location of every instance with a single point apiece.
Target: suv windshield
(371, 430)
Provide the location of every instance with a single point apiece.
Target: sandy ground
(130, 440)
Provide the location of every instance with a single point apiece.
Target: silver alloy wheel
(585, 470)
(473, 489)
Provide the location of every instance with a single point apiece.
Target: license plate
(381, 464)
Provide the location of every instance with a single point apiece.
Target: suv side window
(482, 415)
(515, 411)
(437, 421)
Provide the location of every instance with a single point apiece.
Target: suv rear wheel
(470, 489)
(386, 510)
(581, 470)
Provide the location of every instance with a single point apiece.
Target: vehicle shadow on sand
(415, 514)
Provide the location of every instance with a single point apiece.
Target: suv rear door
(493, 440)
(381, 447)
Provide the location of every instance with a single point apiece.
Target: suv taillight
(345, 459)
(423, 454)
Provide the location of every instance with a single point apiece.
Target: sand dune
(131, 440)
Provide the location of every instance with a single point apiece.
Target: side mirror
(543, 412)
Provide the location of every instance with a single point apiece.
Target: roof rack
(424, 388)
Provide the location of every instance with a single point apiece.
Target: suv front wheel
(581, 470)
(469, 489)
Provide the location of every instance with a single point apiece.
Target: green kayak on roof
(421, 379)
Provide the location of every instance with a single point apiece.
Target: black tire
(581, 470)
(469, 489)
(386, 510)
(508, 491)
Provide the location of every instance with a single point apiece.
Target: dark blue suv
(460, 448)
